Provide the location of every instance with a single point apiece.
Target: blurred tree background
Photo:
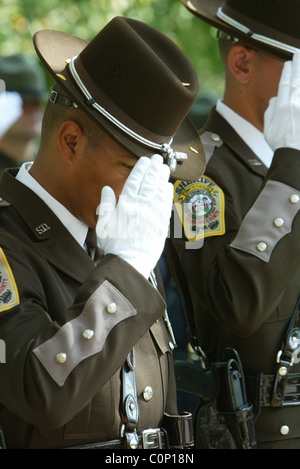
(20, 19)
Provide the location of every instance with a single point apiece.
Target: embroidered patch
(200, 206)
(9, 295)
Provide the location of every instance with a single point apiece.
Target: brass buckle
(152, 438)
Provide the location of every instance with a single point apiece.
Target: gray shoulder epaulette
(210, 141)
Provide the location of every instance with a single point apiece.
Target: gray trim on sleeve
(268, 221)
(86, 334)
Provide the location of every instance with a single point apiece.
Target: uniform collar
(250, 134)
(75, 227)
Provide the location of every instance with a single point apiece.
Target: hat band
(172, 156)
(258, 37)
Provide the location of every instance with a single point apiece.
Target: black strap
(129, 401)
(57, 98)
(285, 357)
(182, 286)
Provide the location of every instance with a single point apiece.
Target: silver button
(88, 334)
(294, 199)
(171, 345)
(111, 308)
(132, 406)
(215, 137)
(278, 222)
(284, 430)
(283, 371)
(261, 247)
(61, 358)
(133, 444)
(148, 393)
(294, 342)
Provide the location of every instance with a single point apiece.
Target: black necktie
(91, 242)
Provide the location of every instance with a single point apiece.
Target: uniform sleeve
(239, 276)
(56, 363)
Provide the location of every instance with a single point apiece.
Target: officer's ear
(70, 138)
(240, 62)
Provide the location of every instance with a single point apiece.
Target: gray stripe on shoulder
(210, 141)
(268, 221)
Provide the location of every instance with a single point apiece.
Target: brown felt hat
(136, 83)
(269, 25)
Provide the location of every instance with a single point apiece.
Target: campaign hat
(136, 83)
(269, 25)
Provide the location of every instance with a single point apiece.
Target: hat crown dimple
(114, 70)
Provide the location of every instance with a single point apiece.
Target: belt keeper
(285, 360)
(179, 429)
(280, 381)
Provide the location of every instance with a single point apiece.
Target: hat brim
(55, 48)
(207, 11)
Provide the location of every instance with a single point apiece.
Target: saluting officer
(242, 286)
(88, 350)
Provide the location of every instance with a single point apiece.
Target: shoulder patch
(9, 295)
(200, 206)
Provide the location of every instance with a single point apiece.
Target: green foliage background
(20, 19)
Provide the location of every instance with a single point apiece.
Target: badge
(200, 206)
(9, 295)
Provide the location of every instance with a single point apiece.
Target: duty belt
(291, 394)
(282, 388)
(150, 438)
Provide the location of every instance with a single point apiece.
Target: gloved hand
(11, 108)
(136, 227)
(282, 117)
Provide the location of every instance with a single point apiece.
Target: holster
(223, 419)
(241, 425)
(232, 401)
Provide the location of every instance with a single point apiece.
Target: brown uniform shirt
(242, 285)
(58, 386)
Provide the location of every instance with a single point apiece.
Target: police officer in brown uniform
(88, 357)
(242, 286)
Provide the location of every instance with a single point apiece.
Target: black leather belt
(150, 438)
(283, 388)
(291, 393)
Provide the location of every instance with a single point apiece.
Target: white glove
(136, 227)
(11, 108)
(282, 117)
